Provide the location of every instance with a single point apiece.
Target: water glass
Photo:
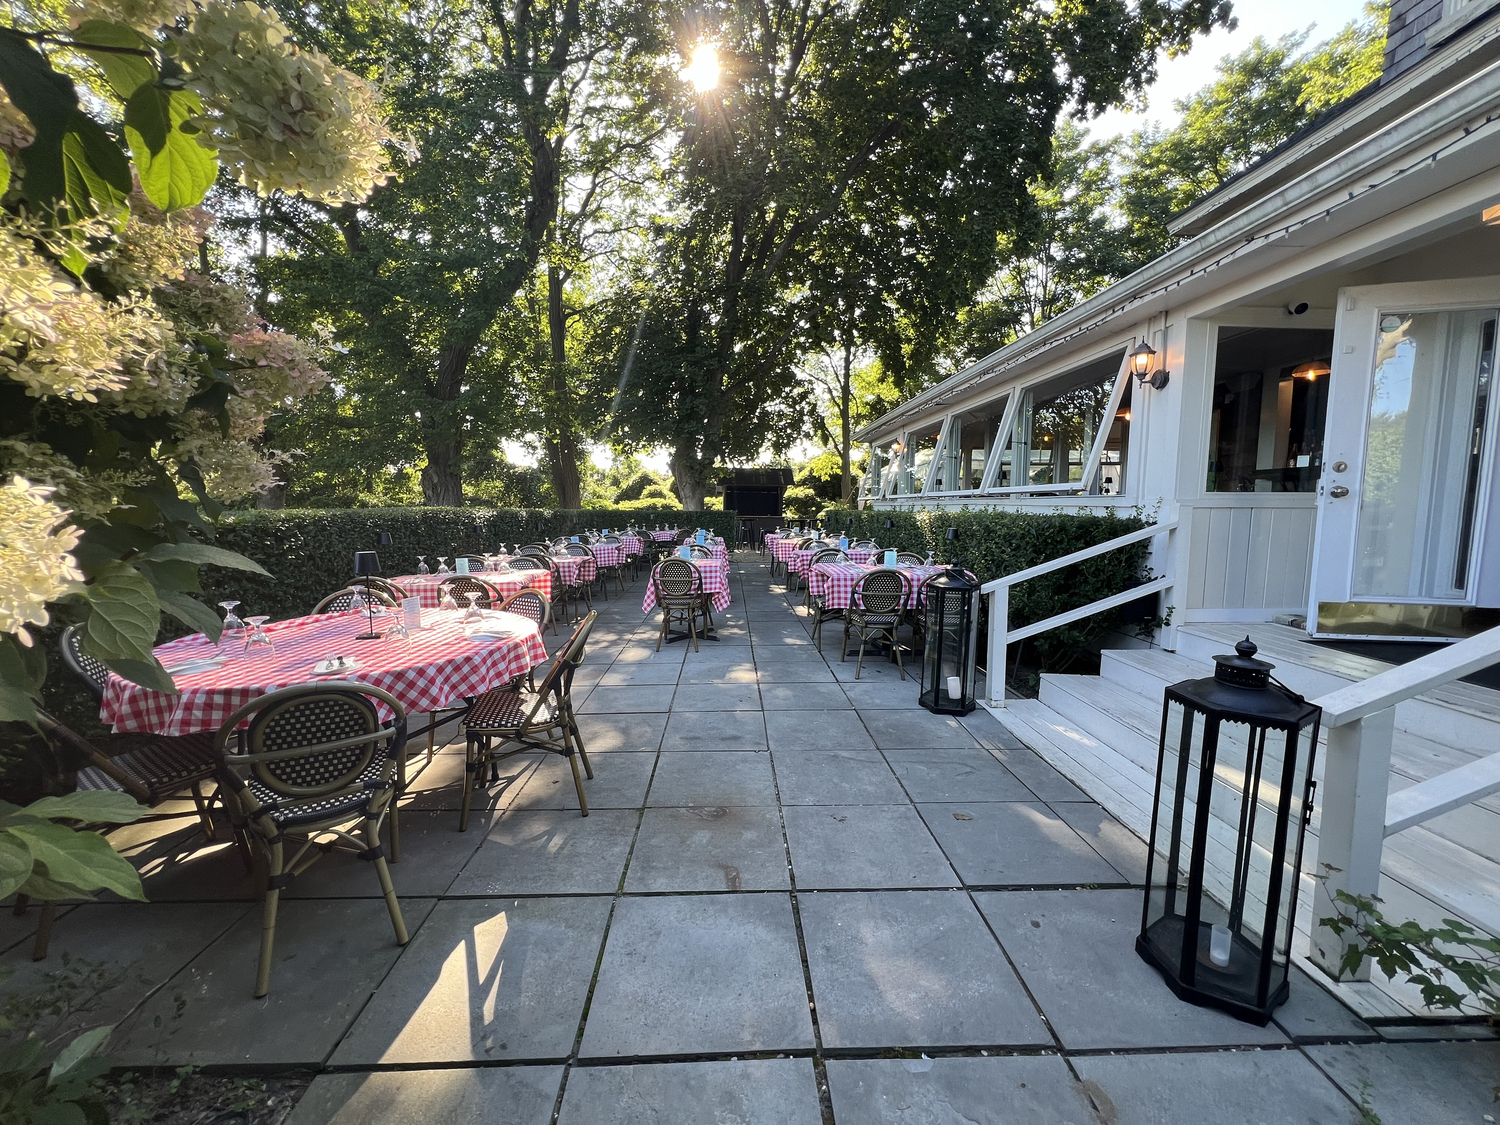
(232, 626)
(259, 639)
(422, 565)
(395, 627)
(443, 565)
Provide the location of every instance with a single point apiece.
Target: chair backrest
(909, 558)
(481, 592)
(527, 562)
(867, 545)
(804, 544)
(341, 600)
(309, 742)
(89, 669)
(558, 680)
(579, 550)
(530, 604)
(676, 578)
(385, 586)
(699, 551)
(880, 591)
(85, 753)
(827, 554)
(614, 540)
(542, 547)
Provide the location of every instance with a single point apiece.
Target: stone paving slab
(550, 853)
(1311, 1015)
(603, 733)
(836, 777)
(713, 778)
(645, 698)
(709, 848)
(715, 730)
(1075, 950)
(748, 1092)
(485, 979)
(912, 969)
(859, 847)
(716, 697)
(433, 852)
(961, 774)
(904, 730)
(1418, 1083)
(804, 697)
(1029, 1089)
(1120, 847)
(1214, 1088)
(1015, 843)
(514, 1095)
(1037, 775)
(620, 781)
(330, 955)
(663, 988)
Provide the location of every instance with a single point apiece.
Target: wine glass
(358, 601)
(472, 612)
(395, 627)
(232, 626)
(443, 565)
(259, 638)
(446, 601)
(422, 565)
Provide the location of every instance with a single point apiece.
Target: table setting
(715, 574)
(428, 588)
(834, 581)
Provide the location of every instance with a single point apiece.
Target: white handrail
(998, 591)
(1398, 684)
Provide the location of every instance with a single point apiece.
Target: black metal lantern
(949, 628)
(1234, 790)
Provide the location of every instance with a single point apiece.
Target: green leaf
(192, 613)
(58, 1113)
(80, 858)
(92, 806)
(170, 575)
(76, 1051)
(15, 864)
(204, 554)
(147, 673)
(49, 99)
(96, 173)
(125, 72)
(22, 670)
(4, 172)
(125, 614)
(176, 171)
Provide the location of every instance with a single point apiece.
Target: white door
(1406, 483)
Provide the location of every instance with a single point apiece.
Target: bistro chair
(385, 586)
(817, 604)
(680, 597)
(480, 592)
(527, 562)
(532, 605)
(876, 609)
(341, 600)
(699, 551)
(315, 761)
(909, 558)
(526, 720)
(542, 547)
(866, 545)
(617, 571)
(576, 591)
(476, 562)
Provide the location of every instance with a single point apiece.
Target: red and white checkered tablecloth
(608, 554)
(715, 583)
(575, 570)
(797, 560)
(783, 549)
(667, 536)
(835, 581)
(717, 546)
(439, 666)
(428, 587)
(633, 544)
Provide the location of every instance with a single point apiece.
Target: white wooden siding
(1251, 556)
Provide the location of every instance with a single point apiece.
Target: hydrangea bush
(133, 388)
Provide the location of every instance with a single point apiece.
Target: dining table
(428, 588)
(609, 554)
(665, 535)
(715, 544)
(834, 582)
(446, 660)
(798, 560)
(715, 574)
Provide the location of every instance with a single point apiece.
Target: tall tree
(415, 282)
(927, 120)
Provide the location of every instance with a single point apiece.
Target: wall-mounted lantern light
(1142, 359)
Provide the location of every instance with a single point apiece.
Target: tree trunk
(443, 431)
(848, 479)
(691, 475)
(562, 442)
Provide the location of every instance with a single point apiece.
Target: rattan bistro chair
(909, 558)
(699, 551)
(817, 604)
(315, 759)
(506, 721)
(680, 597)
(617, 571)
(534, 606)
(384, 585)
(876, 609)
(342, 600)
(480, 592)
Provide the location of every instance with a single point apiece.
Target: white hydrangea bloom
(283, 118)
(143, 15)
(35, 564)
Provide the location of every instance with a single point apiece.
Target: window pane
(874, 475)
(971, 440)
(1270, 403)
(1059, 420)
(921, 446)
(1110, 480)
(1416, 508)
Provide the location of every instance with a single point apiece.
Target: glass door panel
(1424, 453)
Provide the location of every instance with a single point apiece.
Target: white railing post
(994, 675)
(1356, 778)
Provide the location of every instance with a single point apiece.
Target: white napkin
(197, 664)
(335, 664)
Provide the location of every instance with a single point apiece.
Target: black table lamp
(952, 538)
(368, 563)
(383, 539)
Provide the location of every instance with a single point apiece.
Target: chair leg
(383, 873)
(205, 813)
(570, 729)
(860, 664)
(583, 802)
(665, 614)
(472, 768)
(896, 652)
(844, 647)
(44, 931)
(268, 921)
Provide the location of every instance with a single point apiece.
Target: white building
(1324, 446)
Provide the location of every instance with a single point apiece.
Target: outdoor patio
(799, 898)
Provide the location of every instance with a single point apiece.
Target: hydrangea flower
(36, 565)
(143, 15)
(283, 118)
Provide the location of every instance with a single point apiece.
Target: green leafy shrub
(49, 861)
(993, 544)
(308, 552)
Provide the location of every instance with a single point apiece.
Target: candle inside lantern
(954, 688)
(1218, 945)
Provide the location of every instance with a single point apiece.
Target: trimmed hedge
(993, 544)
(310, 551)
